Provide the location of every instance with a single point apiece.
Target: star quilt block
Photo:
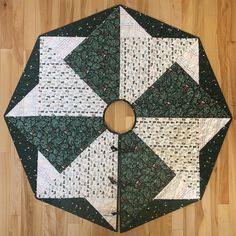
(75, 162)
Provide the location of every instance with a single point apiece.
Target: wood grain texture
(21, 21)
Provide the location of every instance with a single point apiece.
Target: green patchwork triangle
(142, 176)
(59, 138)
(208, 80)
(80, 207)
(97, 59)
(176, 94)
(155, 209)
(27, 153)
(83, 27)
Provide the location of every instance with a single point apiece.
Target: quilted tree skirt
(74, 162)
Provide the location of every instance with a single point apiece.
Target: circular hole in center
(119, 117)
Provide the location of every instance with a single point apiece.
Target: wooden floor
(21, 21)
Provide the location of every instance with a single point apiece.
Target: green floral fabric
(97, 59)
(176, 94)
(142, 175)
(59, 138)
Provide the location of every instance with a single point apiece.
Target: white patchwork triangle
(28, 106)
(145, 60)
(178, 189)
(106, 206)
(129, 27)
(209, 127)
(46, 174)
(86, 177)
(189, 61)
(62, 92)
(178, 141)
(62, 46)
